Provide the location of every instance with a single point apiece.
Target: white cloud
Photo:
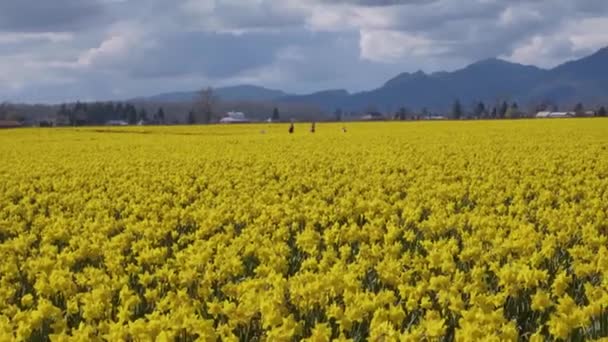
(540, 51)
(113, 47)
(15, 79)
(589, 34)
(237, 15)
(21, 37)
(570, 41)
(291, 44)
(519, 15)
(330, 18)
(392, 46)
(124, 40)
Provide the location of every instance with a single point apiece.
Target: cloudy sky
(58, 50)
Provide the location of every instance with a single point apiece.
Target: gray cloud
(45, 16)
(215, 55)
(88, 49)
(379, 3)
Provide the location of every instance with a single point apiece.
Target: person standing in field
(291, 128)
(312, 127)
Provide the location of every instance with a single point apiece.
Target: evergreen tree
(142, 115)
(502, 112)
(63, 115)
(120, 111)
(191, 119)
(72, 116)
(109, 111)
(512, 111)
(402, 114)
(78, 115)
(207, 102)
(98, 113)
(338, 114)
(160, 116)
(579, 109)
(457, 110)
(601, 111)
(131, 114)
(275, 114)
(480, 110)
(425, 113)
(542, 107)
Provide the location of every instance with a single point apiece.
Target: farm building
(555, 115)
(373, 116)
(234, 117)
(9, 124)
(590, 113)
(116, 123)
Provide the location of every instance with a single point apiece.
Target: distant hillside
(324, 99)
(234, 93)
(489, 80)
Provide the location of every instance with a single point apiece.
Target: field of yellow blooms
(389, 231)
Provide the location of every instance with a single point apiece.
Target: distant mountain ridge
(232, 93)
(489, 80)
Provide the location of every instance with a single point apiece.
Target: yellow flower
(509, 332)
(27, 300)
(559, 327)
(560, 284)
(434, 325)
(397, 231)
(320, 333)
(537, 337)
(541, 301)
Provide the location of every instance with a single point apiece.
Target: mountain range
(491, 80)
(232, 93)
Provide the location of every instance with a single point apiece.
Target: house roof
(117, 122)
(554, 114)
(9, 123)
(231, 119)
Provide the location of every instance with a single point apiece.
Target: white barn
(116, 123)
(234, 117)
(555, 115)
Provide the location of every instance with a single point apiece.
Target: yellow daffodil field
(396, 231)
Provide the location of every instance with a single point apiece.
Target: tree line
(207, 107)
(99, 113)
(502, 110)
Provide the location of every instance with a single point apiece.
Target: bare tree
(3, 110)
(207, 104)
